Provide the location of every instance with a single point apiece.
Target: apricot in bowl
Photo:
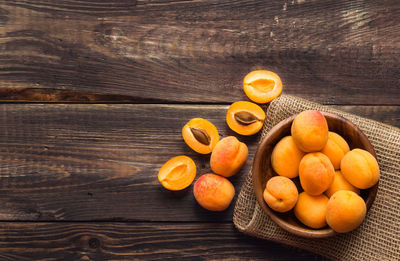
(263, 171)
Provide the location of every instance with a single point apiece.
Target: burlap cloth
(378, 238)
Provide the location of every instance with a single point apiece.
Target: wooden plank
(334, 52)
(100, 162)
(139, 241)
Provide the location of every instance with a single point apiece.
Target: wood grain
(100, 162)
(334, 52)
(137, 241)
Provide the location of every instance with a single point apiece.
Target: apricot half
(213, 192)
(200, 135)
(177, 173)
(228, 156)
(360, 168)
(245, 118)
(262, 86)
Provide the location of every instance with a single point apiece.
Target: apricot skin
(335, 148)
(360, 168)
(286, 157)
(345, 211)
(213, 192)
(311, 210)
(248, 107)
(310, 131)
(280, 194)
(340, 183)
(228, 156)
(192, 142)
(316, 173)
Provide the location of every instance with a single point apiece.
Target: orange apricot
(316, 173)
(286, 157)
(245, 118)
(228, 156)
(311, 210)
(262, 86)
(177, 173)
(310, 131)
(340, 183)
(213, 192)
(200, 135)
(335, 148)
(360, 168)
(280, 194)
(345, 211)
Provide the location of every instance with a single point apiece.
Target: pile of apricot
(213, 191)
(331, 176)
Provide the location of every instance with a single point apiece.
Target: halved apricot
(245, 118)
(200, 135)
(262, 86)
(177, 173)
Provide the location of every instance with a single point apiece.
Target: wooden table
(95, 93)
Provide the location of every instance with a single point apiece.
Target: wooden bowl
(262, 171)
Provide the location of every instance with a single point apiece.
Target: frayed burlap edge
(378, 238)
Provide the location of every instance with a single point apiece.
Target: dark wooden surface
(79, 181)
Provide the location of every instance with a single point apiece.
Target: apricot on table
(345, 211)
(228, 156)
(177, 173)
(335, 148)
(213, 192)
(360, 168)
(245, 118)
(286, 157)
(316, 173)
(310, 131)
(340, 183)
(311, 210)
(262, 86)
(200, 135)
(280, 194)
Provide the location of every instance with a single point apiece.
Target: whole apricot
(228, 156)
(345, 211)
(213, 192)
(360, 168)
(245, 118)
(262, 86)
(335, 148)
(316, 173)
(280, 194)
(200, 135)
(310, 131)
(177, 173)
(311, 210)
(286, 157)
(340, 183)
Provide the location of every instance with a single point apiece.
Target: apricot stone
(345, 211)
(213, 192)
(335, 148)
(316, 173)
(286, 157)
(340, 183)
(360, 168)
(228, 156)
(280, 194)
(311, 210)
(310, 131)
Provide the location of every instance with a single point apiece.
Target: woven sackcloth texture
(378, 237)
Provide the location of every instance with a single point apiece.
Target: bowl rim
(256, 169)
